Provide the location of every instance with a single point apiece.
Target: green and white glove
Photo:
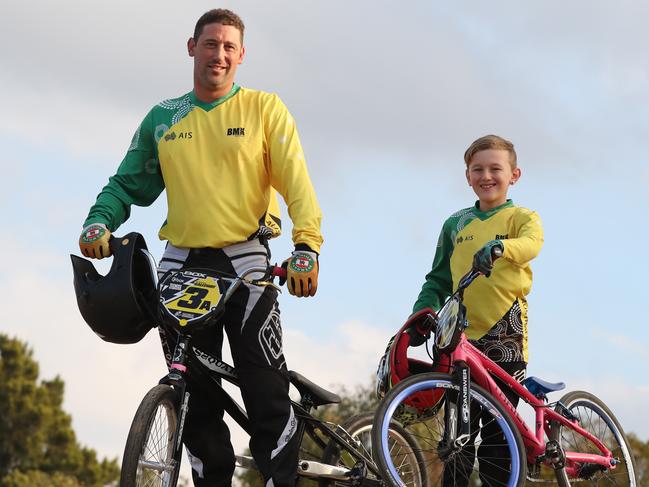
(93, 241)
(483, 260)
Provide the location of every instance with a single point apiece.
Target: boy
(496, 307)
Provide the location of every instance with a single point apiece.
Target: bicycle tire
(150, 440)
(427, 426)
(595, 417)
(359, 427)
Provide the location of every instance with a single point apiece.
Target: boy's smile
(490, 174)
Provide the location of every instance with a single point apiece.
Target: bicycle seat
(539, 386)
(319, 396)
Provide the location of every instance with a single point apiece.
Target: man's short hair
(491, 142)
(218, 16)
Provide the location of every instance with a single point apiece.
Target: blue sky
(386, 98)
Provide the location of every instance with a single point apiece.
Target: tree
(37, 443)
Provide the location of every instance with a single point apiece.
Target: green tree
(640, 451)
(37, 443)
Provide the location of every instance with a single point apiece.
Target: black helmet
(118, 306)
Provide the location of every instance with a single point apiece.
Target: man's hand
(483, 260)
(302, 273)
(93, 241)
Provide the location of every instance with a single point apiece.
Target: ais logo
(181, 135)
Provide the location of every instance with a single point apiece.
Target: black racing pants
(252, 323)
(493, 454)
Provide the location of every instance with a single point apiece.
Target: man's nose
(219, 53)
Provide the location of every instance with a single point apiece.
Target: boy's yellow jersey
(496, 306)
(220, 164)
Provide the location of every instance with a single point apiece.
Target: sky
(387, 96)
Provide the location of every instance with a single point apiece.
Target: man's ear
(191, 44)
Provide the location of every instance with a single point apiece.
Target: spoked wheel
(419, 404)
(148, 456)
(404, 448)
(593, 415)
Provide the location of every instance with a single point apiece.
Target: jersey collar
(208, 106)
(483, 215)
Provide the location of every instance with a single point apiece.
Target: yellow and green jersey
(220, 164)
(496, 306)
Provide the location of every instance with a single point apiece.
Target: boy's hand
(93, 241)
(302, 273)
(483, 260)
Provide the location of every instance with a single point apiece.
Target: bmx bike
(192, 299)
(453, 409)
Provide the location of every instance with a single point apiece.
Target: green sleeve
(439, 281)
(138, 181)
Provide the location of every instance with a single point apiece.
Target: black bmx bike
(192, 299)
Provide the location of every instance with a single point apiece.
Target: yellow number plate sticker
(188, 296)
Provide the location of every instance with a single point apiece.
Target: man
(220, 152)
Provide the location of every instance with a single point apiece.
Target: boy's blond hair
(490, 142)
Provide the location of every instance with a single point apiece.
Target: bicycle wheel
(500, 451)
(404, 447)
(148, 456)
(597, 419)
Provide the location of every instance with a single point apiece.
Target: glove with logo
(301, 273)
(93, 241)
(483, 260)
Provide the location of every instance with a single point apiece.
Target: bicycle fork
(457, 427)
(176, 378)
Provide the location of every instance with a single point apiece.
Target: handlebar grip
(278, 272)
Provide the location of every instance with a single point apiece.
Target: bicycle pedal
(555, 454)
(358, 473)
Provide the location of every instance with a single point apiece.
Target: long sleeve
(289, 175)
(138, 181)
(439, 282)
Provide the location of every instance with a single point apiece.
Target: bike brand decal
(214, 363)
(302, 263)
(465, 396)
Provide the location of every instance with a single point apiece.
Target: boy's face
(490, 174)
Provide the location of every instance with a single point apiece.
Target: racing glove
(483, 260)
(302, 273)
(93, 241)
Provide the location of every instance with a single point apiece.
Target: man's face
(490, 174)
(217, 53)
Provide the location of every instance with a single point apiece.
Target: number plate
(190, 297)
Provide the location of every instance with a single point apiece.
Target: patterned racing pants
(252, 323)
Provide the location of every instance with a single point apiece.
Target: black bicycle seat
(319, 395)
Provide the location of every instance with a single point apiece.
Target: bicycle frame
(483, 370)
(186, 361)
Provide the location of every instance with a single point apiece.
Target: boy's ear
(516, 175)
(468, 180)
